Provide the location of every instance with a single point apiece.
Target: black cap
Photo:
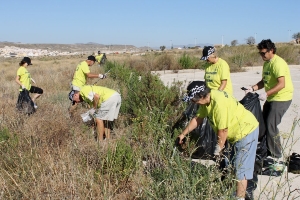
(194, 88)
(207, 51)
(92, 58)
(27, 60)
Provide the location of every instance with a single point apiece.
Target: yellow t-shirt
(99, 57)
(224, 111)
(215, 73)
(80, 75)
(25, 77)
(272, 70)
(87, 93)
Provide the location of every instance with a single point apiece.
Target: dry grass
(48, 155)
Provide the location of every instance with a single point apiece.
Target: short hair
(266, 44)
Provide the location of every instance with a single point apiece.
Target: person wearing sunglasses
(217, 72)
(278, 93)
(231, 121)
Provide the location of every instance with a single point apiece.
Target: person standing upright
(100, 58)
(277, 83)
(24, 80)
(83, 72)
(217, 72)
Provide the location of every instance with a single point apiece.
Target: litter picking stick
(99, 78)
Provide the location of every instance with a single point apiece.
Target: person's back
(224, 111)
(103, 92)
(80, 75)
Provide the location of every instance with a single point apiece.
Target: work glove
(102, 76)
(91, 111)
(218, 150)
(23, 87)
(263, 96)
(248, 89)
(33, 81)
(217, 154)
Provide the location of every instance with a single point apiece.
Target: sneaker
(275, 169)
(35, 106)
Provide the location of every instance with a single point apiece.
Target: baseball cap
(194, 88)
(71, 94)
(92, 58)
(207, 51)
(27, 60)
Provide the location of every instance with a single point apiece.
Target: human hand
(33, 81)
(263, 96)
(218, 150)
(181, 139)
(247, 89)
(23, 87)
(102, 76)
(91, 111)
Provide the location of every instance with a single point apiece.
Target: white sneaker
(35, 106)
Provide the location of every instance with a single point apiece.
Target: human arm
(279, 86)
(255, 87)
(196, 121)
(90, 75)
(33, 80)
(96, 100)
(223, 85)
(19, 82)
(258, 85)
(222, 136)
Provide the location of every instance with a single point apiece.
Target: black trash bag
(206, 141)
(294, 163)
(25, 103)
(203, 135)
(252, 103)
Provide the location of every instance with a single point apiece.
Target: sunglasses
(263, 53)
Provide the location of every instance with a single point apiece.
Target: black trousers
(272, 114)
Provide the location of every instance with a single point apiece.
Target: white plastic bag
(86, 117)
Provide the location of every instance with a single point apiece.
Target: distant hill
(93, 47)
(186, 46)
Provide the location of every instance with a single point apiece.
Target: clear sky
(148, 22)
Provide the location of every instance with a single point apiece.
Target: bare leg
(241, 188)
(107, 130)
(100, 129)
(36, 96)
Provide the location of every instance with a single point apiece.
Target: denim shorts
(244, 153)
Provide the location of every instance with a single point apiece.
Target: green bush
(186, 61)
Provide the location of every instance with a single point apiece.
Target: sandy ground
(269, 187)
